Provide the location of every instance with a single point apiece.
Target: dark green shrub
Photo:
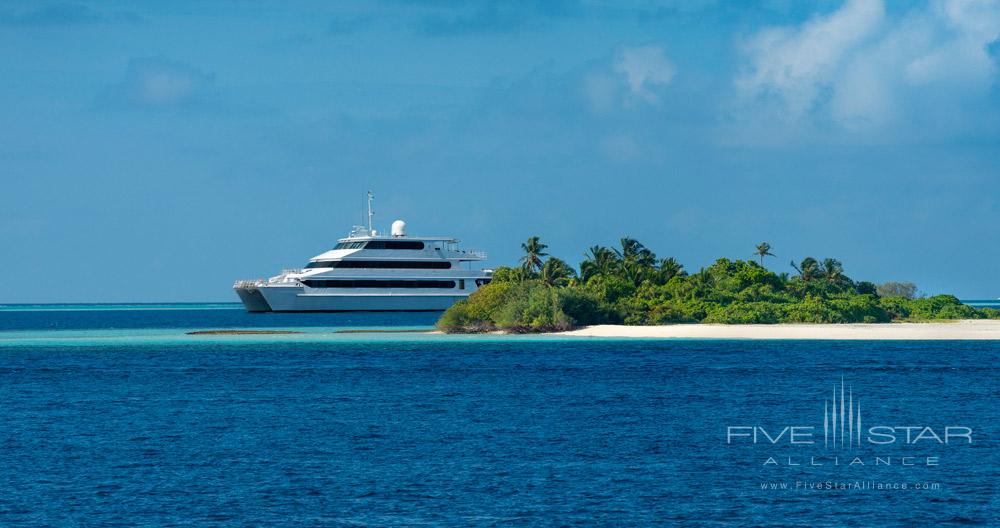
(896, 307)
(585, 307)
(745, 313)
(610, 288)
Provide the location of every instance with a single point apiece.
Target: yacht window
(382, 264)
(349, 245)
(371, 283)
(461, 284)
(482, 282)
(394, 244)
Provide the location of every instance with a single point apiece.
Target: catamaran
(367, 271)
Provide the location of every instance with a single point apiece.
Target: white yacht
(369, 272)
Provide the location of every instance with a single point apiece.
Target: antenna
(371, 213)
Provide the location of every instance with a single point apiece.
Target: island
(629, 286)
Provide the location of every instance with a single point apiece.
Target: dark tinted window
(382, 264)
(394, 244)
(369, 283)
(482, 282)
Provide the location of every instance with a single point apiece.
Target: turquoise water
(118, 307)
(983, 303)
(180, 336)
(88, 325)
(117, 417)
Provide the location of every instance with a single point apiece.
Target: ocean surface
(113, 415)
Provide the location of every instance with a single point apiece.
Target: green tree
(555, 272)
(763, 250)
(628, 285)
(599, 260)
(633, 251)
(808, 269)
(833, 271)
(506, 274)
(669, 268)
(866, 288)
(637, 261)
(534, 250)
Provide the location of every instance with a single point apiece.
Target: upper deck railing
(280, 279)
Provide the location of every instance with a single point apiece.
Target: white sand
(965, 329)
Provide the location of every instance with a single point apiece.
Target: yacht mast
(370, 213)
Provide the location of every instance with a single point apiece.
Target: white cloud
(797, 64)
(858, 69)
(634, 75)
(158, 82)
(645, 69)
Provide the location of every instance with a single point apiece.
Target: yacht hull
(298, 299)
(253, 300)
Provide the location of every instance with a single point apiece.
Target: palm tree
(555, 272)
(637, 261)
(598, 260)
(763, 250)
(633, 251)
(808, 269)
(534, 250)
(833, 270)
(670, 268)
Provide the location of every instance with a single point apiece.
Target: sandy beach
(965, 329)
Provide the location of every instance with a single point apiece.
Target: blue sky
(157, 151)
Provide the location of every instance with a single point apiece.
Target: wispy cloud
(856, 69)
(797, 65)
(645, 69)
(614, 106)
(157, 82)
(635, 75)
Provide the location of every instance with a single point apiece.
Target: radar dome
(399, 228)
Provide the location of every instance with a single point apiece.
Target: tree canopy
(629, 285)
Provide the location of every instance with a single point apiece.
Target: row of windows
(381, 264)
(394, 244)
(381, 244)
(368, 283)
(349, 245)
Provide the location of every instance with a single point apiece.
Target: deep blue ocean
(115, 416)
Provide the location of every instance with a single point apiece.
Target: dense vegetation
(629, 285)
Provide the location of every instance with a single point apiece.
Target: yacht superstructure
(369, 272)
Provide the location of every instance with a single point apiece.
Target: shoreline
(965, 329)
